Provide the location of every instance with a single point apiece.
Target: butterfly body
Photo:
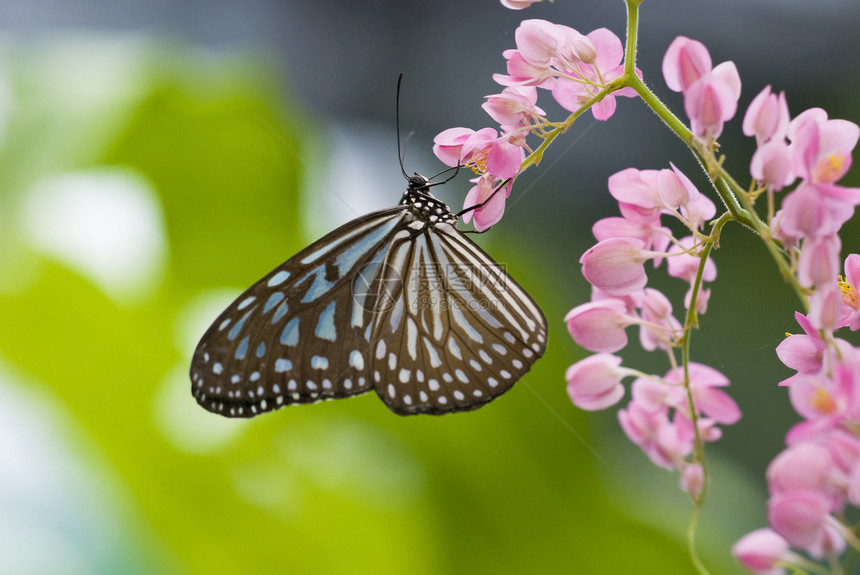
(398, 301)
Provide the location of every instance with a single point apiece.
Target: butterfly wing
(286, 340)
(462, 331)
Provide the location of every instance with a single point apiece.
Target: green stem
(691, 542)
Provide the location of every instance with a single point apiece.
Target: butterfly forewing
(300, 334)
(399, 301)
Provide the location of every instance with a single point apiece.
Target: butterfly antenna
(400, 152)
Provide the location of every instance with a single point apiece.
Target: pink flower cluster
(659, 417)
(572, 66)
(818, 474)
(667, 414)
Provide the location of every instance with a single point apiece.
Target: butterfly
(399, 301)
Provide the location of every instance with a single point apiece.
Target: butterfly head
(424, 205)
(419, 182)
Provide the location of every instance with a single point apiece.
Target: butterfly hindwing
(462, 333)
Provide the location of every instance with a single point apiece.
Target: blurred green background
(147, 176)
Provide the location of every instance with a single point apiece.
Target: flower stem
(691, 541)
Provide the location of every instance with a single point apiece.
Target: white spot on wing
(278, 278)
(282, 365)
(319, 362)
(246, 302)
(356, 360)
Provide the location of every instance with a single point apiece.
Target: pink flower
(576, 48)
(448, 145)
(523, 73)
(802, 352)
(767, 117)
(826, 310)
(801, 466)
(805, 214)
(848, 286)
(616, 266)
(771, 164)
(829, 544)
(684, 265)
(659, 328)
(799, 515)
(821, 147)
(818, 262)
(678, 193)
(605, 67)
(515, 105)
(518, 4)
(854, 485)
(538, 42)
(707, 399)
(713, 100)
(652, 431)
(637, 194)
(491, 154)
(652, 234)
(599, 325)
(492, 211)
(483, 150)
(685, 62)
(594, 383)
(844, 451)
(650, 394)
(702, 299)
(760, 551)
(822, 400)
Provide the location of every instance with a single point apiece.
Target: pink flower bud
(616, 266)
(637, 188)
(771, 165)
(659, 328)
(826, 310)
(685, 62)
(767, 117)
(805, 214)
(692, 479)
(599, 326)
(799, 515)
(802, 466)
(818, 262)
(760, 550)
(594, 383)
(712, 100)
